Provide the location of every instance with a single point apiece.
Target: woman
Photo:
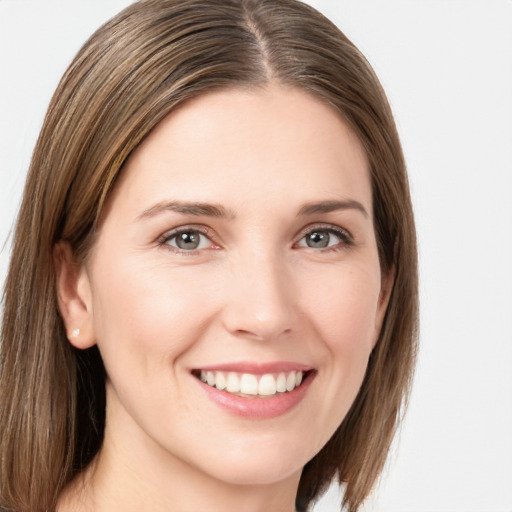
(212, 298)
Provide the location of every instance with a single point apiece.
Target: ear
(74, 297)
(386, 287)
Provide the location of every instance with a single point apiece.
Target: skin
(253, 291)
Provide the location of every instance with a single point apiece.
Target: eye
(320, 239)
(187, 240)
(325, 238)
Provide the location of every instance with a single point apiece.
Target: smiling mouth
(253, 385)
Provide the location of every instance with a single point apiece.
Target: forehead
(269, 144)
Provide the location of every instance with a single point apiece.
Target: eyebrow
(219, 211)
(187, 208)
(332, 206)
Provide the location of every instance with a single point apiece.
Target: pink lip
(254, 407)
(257, 368)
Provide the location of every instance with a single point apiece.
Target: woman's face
(237, 248)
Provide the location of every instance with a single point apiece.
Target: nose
(261, 297)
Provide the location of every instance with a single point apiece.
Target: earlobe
(387, 282)
(74, 297)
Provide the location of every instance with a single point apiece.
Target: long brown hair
(128, 76)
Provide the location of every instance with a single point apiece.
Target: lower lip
(255, 407)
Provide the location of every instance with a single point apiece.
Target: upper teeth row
(249, 384)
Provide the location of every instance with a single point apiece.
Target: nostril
(261, 334)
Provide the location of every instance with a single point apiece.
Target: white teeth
(290, 381)
(233, 383)
(249, 384)
(281, 383)
(220, 381)
(267, 385)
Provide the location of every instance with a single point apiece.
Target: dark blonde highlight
(129, 75)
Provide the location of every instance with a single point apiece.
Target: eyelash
(164, 240)
(346, 239)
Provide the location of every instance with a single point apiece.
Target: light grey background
(447, 68)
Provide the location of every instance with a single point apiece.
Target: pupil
(188, 240)
(318, 239)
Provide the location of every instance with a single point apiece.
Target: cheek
(148, 313)
(344, 316)
(343, 306)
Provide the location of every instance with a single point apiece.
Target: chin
(256, 474)
(259, 462)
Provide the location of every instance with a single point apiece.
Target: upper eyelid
(204, 230)
(326, 226)
(172, 233)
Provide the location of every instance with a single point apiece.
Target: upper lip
(257, 368)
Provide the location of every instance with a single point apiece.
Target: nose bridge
(261, 305)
